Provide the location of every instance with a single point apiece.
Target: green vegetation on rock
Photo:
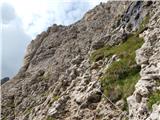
(4, 118)
(120, 78)
(50, 118)
(127, 49)
(154, 99)
(46, 76)
(55, 98)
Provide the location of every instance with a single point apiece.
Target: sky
(22, 20)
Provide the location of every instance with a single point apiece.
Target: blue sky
(22, 20)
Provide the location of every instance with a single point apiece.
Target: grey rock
(3, 80)
(58, 80)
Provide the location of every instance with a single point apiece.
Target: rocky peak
(105, 66)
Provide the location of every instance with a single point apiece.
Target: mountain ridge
(68, 70)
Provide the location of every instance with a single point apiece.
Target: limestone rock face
(58, 79)
(148, 56)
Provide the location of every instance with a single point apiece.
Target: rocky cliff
(105, 66)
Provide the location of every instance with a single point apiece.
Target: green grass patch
(128, 46)
(120, 89)
(154, 99)
(158, 82)
(127, 49)
(50, 118)
(120, 78)
(46, 76)
(46, 93)
(55, 98)
(4, 118)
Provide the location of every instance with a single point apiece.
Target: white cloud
(14, 41)
(8, 13)
(24, 19)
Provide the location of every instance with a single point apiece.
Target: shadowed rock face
(4, 80)
(59, 81)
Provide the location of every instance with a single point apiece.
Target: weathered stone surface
(58, 80)
(155, 115)
(148, 57)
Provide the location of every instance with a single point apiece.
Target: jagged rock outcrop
(148, 56)
(65, 75)
(4, 80)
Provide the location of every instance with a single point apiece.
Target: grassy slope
(120, 78)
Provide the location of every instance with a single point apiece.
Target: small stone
(120, 104)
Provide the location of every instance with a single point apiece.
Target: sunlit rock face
(105, 66)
